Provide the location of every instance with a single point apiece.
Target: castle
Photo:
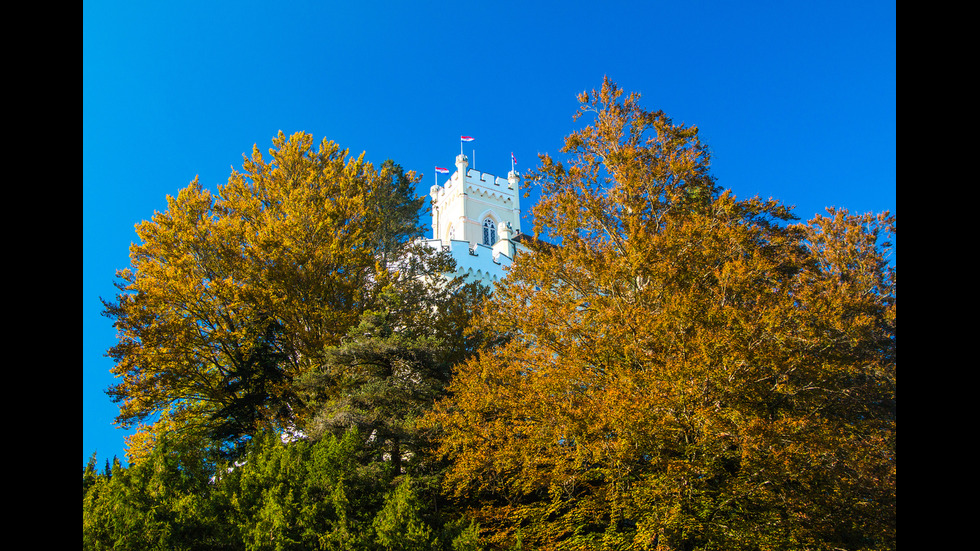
(477, 218)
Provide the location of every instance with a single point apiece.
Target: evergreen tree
(89, 474)
(399, 525)
(383, 378)
(162, 502)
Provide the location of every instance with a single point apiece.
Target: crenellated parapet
(490, 187)
(479, 263)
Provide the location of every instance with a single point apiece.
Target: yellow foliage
(232, 295)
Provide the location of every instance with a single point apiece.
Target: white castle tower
(477, 217)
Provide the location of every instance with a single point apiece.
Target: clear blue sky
(795, 99)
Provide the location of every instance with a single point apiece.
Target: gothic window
(489, 232)
(452, 232)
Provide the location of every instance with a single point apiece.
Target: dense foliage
(301, 495)
(231, 298)
(686, 370)
(671, 368)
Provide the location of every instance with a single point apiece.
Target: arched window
(451, 233)
(489, 232)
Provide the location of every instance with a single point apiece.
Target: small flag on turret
(513, 159)
(467, 138)
(442, 170)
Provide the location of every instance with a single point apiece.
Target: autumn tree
(232, 296)
(682, 369)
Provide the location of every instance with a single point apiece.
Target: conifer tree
(162, 502)
(89, 474)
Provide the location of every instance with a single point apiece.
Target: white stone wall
(461, 205)
(477, 263)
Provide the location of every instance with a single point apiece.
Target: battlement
(488, 185)
(485, 179)
(480, 181)
(475, 263)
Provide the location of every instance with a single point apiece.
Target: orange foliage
(685, 369)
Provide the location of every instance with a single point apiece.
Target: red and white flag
(513, 159)
(442, 170)
(467, 138)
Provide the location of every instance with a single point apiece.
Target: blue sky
(795, 99)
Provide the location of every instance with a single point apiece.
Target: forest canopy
(669, 368)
